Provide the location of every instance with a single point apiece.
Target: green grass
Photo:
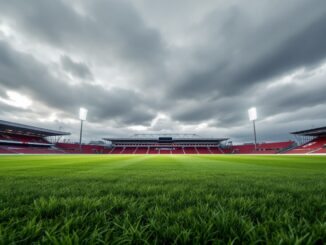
(162, 199)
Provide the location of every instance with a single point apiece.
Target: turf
(162, 199)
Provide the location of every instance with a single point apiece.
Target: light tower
(253, 117)
(82, 118)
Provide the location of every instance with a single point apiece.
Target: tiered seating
(215, 150)
(77, 149)
(92, 149)
(243, 149)
(72, 151)
(153, 150)
(265, 152)
(178, 150)
(107, 150)
(190, 150)
(117, 150)
(16, 138)
(262, 148)
(30, 150)
(203, 150)
(129, 150)
(23, 139)
(141, 150)
(227, 150)
(22, 144)
(157, 150)
(313, 146)
(4, 150)
(163, 151)
(273, 148)
(274, 145)
(320, 151)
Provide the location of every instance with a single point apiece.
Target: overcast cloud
(164, 66)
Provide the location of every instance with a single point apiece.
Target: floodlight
(253, 117)
(83, 114)
(252, 114)
(82, 118)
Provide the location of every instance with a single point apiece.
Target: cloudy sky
(147, 66)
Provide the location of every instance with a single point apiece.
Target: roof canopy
(165, 138)
(21, 129)
(312, 132)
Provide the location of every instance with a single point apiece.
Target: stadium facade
(24, 139)
(166, 144)
(311, 141)
(16, 138)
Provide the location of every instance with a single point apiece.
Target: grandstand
(313, 141)
(262, 148)
(74, 148)
(18, 138)
(166, 144)
(189, 144)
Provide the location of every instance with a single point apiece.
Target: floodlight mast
(253, 117)
(82, 118)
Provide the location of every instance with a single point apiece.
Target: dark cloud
(108, 29)
(78, 69)
(292, 97)
(21, 72)
(239, 54)
(195, 63)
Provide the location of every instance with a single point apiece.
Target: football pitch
(155, 199)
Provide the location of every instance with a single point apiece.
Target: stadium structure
(166, 144)
(311, 141)
(19, 138)
(16, 138)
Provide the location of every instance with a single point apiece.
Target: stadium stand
(203, 150)
(117, 150)
(153, 150)
(261, 148)
(314, 141)
(22, 138)
(165, 151)
(5, 150)
(190, 150)
(216, 150)
(178, 150)
(320, 151)
(18, 138)
(33, 150)
(165, 144)
(73, 148)
(141, 150)
(129, 150)
(243, 149)
(188, 144)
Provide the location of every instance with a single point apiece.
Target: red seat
(314, 146)
(153, 150)
(203, 150)
(216, 150)
(141, 150)
(261, 148)
(190, 150)
(177, 150)
(128, 150)
(165, 151)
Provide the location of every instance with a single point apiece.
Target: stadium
(162, 122)
(17, 138)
